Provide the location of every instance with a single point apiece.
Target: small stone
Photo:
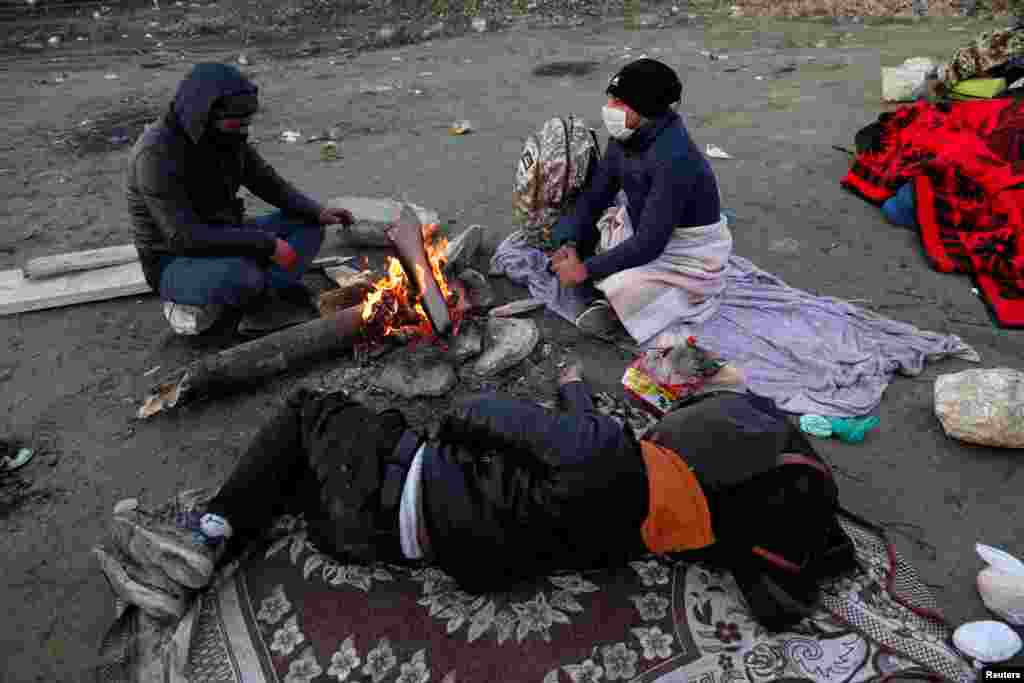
(479, 24)
(467, 344)
(126, 505)
(54, 40)
(509, 341)
(434, 30)
(416, 375)
(478, 289)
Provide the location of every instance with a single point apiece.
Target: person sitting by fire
(198, 251)
(504, 490)
(658, 256)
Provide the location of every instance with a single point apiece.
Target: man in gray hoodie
(197, 248)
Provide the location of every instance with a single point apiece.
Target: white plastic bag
(901, 83)
(984, 407)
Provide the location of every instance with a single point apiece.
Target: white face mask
(615, 122)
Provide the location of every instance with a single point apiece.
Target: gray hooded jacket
(182, 185)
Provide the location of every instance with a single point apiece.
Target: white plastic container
(1001, 584)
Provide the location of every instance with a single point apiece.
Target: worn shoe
(146, 587)
(278, 311)
(180, 550)
(599, 320)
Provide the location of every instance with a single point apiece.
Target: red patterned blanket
(966, 160)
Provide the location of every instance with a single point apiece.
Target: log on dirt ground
(75, 261)
(353, 288)
(406, 236)
(257, 360)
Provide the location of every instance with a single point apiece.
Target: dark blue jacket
(182, 185)
(669, 184)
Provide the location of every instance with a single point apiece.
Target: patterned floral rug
(287, 613)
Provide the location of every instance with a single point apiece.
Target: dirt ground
(72, 378)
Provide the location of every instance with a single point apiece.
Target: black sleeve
(162, 186)
(263, 181)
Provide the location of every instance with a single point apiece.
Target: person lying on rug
(659, 255)
(505, 491)
(198, 251)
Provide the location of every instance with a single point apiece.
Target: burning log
(257, 360)
(407, 236)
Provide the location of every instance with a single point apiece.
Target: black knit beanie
(648, 86)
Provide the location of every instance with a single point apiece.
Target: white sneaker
(192, 320)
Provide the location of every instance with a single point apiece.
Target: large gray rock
(509, 342)
(467, 344)
(985, 407)
(415, 375)
(373, 216)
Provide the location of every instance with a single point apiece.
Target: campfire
(394, 306)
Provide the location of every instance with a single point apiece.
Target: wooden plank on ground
(18, 294)
(76, 261)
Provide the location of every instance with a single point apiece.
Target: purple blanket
(810, 354)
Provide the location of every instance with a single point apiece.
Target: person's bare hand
(337, 216)
(569, 269)
(572, 372)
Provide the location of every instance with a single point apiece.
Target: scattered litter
(291, 135)
(729, 213)
(54, 40)
(60, 78)
(716, 152)
(149, 35)
(758, 78)
(479, 24)
(149, 372)
(982, 406)
(396, 59)
(243, 60)
(13, 457)
(662, 378)
(785, 246)
(987, 641)
(846, 429)
(111, 77)
(461, 127)
(975, 292)
(424, 74)
(329, 151)
(1001, 584)
(416, 92)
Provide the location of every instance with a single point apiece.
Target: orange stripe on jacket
(678, 517)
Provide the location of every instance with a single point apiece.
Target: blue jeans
(240, 280)
(901, 209)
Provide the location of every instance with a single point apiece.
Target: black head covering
(205, 87)
(648, 86)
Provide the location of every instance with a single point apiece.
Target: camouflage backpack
(552, 170)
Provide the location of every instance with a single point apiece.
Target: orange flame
(391, 301)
